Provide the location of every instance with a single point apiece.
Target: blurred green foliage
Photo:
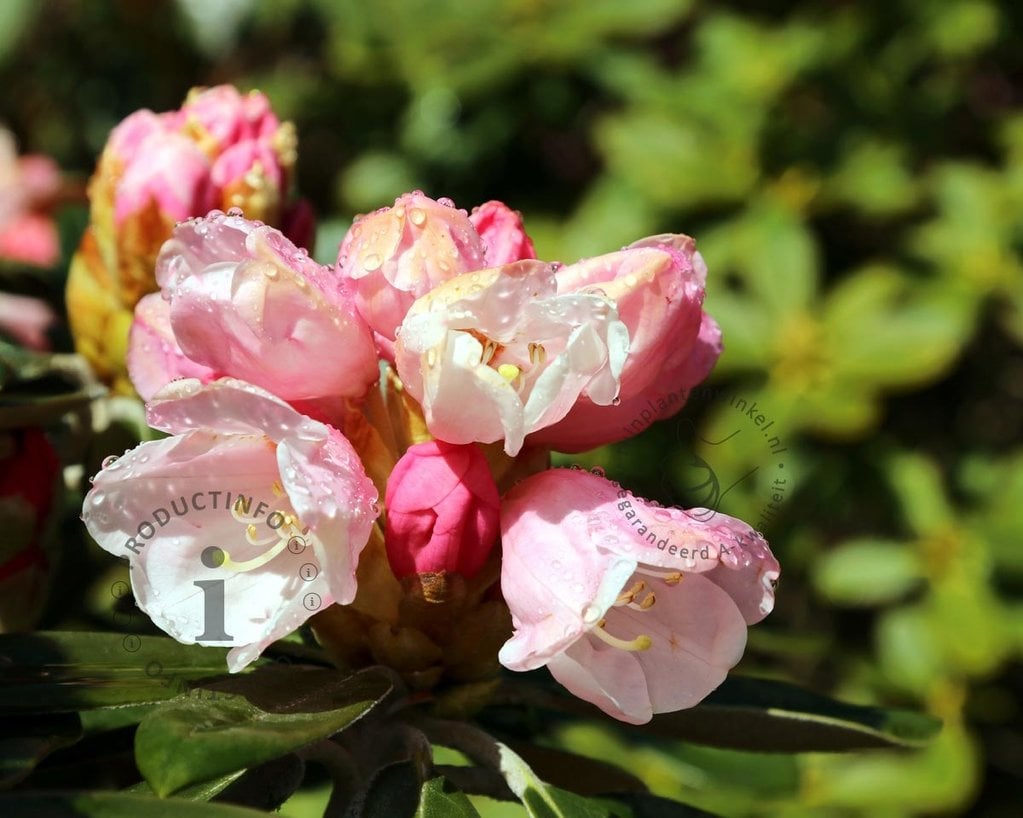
(853, 173)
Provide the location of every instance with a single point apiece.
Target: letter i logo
(213, 599)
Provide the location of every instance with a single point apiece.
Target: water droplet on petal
(598, 470)
(109, 461)
(98, 497)
(417, 216)
(372, 262)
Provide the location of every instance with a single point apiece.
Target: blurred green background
(853, 173)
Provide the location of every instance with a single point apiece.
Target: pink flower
(499, 353)
(633, 607)
(245, 302)
(399, 253)
(442, 510)
(657, 286)
(167, 173)
(28, 186)
(26, 320)
(222, 149)
(223, 116)
(154, 357)
(502, 232)
(242, 524)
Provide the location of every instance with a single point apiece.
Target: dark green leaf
(65, 671)
(768, 716)
(27, 740)
(268, 713)
(112, 805)
(439, 800)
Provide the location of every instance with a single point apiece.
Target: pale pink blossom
(154, 357)
(633, 607)
(399, 253)
(169, 173)
(503, 234)
(657, 285)
(267, 508)
(497, 354)
(442, 510)
(26, 320)
(28, 186)
(245, 302)
(226, 117)
(221, 149)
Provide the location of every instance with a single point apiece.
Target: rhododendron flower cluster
(221, 149)
(367, 444)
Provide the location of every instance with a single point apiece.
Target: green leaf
(204, 791)
(439, 800)
(270, 712)
(27, 740)
(113, 805)
(65, 671)
(769, 716)
(867, 572)
(540, 799)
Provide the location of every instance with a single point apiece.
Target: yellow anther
(641, 642)
(277, 488)
(625, 597)
(668, 577)
(537, 354)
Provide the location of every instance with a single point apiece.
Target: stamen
(255, 562)
(489, 350)
(669, 577)
(626, 597)
(641, 642)
(646, 604)
(277, 488)
(537, 354)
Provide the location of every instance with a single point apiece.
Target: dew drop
(417, 216)
(98, 497)
(270, 272)
(372, 262)
(616, 401)
(591, 613)
(109, 461)
(599, 471)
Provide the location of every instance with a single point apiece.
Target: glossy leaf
(267, 714)
(66, 671)
(769, 716)
(439, 800)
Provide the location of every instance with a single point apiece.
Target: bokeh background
(853, 173)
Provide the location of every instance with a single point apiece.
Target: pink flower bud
(503, 234)
(442, 510)
(402, 252)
